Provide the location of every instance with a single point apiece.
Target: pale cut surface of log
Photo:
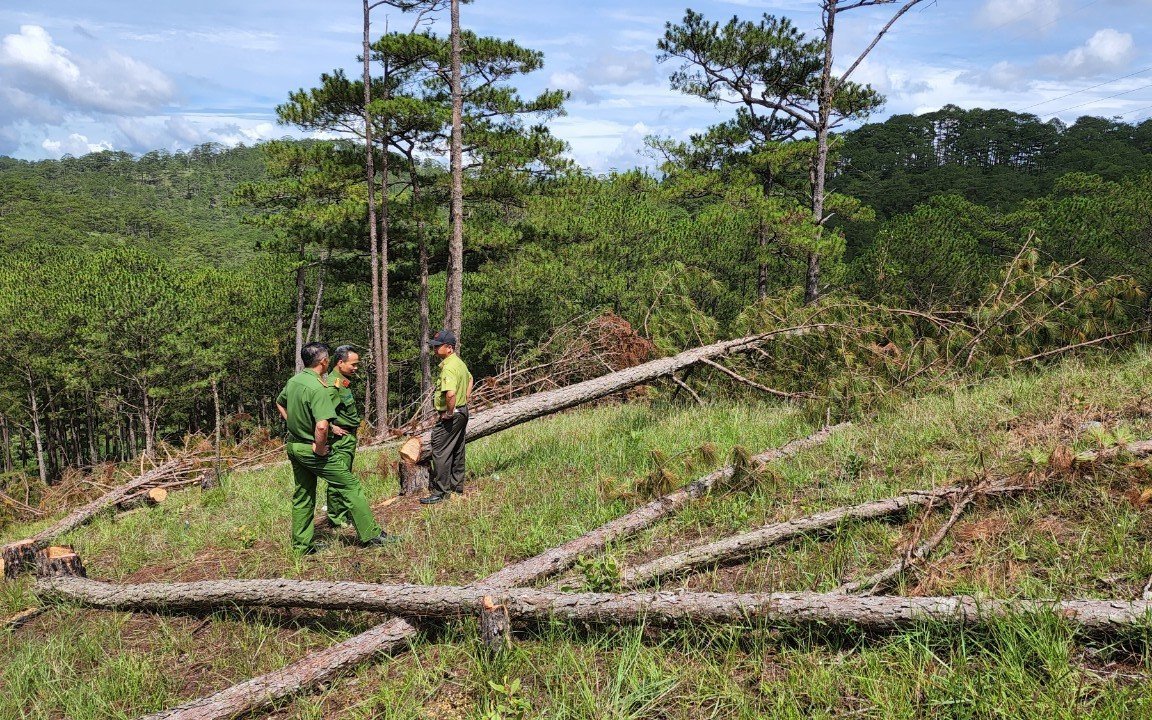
(155, 496)
(502, 417)
(875, 612)
(390, 635)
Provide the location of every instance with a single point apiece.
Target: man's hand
(318, 448)
(447, 414)
(337, 430)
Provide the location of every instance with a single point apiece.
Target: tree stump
(495, 626)
(209, 481)
(17, 557)
(59, 561)
(413, 477)
(155, 496)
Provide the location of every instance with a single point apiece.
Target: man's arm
(320, 438)
(449, 404)
(283, 411)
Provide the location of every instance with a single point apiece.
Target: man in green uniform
(450, 398)
(307, 407)
(345, 365)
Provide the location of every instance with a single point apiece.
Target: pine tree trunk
(454, 296)
(781, 610)
(299, 317)
(41, 463)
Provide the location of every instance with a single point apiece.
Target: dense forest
(145, 298)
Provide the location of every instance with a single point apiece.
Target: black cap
(443, 337)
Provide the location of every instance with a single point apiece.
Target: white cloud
(1036, 13)
(1108, 50)
(75, 144)
(114, 84)
(620, 67)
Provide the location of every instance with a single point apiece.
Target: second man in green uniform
(345, 365)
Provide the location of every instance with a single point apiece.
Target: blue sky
(130, 75)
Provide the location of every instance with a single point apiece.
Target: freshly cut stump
(58, 561)
(17, 557)
(413, 477)
(495, 625)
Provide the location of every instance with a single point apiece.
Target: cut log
(495, 625)
(82, 515)
(393, 634)
(210, 481)
(15, 621)
(736, 547)
(59, 561)
(502, 417)
(155, 496)
(1140, 448)
(414, 477)
(18, 557)
(877, 612)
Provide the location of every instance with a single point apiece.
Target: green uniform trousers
(306, 468)
(344, 450)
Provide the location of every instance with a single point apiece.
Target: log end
(410, 450)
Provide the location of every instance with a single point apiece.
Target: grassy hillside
(536, 486)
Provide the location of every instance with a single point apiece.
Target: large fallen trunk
(18, 555)
(390, 635)
(872, 613)
(419, 449)
(736, 547)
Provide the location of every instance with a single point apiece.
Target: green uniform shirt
(454, 377)
(347, 416)
(308, 400)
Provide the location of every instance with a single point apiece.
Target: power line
(1084, 90)
(1109, 97)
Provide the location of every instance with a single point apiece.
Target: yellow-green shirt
(308, 400)
(453, 377)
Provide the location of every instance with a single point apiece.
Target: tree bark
(740, 546)
(37, 435)
(390, 635)
(379, 363)
(454, 296)
(502, 417)
(299, 317)
(876, 613)
(495, 624)
(414, 477)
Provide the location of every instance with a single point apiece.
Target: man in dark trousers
(307, 406)
(450, 399)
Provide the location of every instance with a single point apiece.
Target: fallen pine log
(418, 449)
(877, 612)
(153, 496)
(735, 547)
(322, 666)
(19, 555)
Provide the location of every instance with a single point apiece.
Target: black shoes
(381, 540)
(315, 548)
(433, 498)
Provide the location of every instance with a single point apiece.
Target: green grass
(548, 481)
